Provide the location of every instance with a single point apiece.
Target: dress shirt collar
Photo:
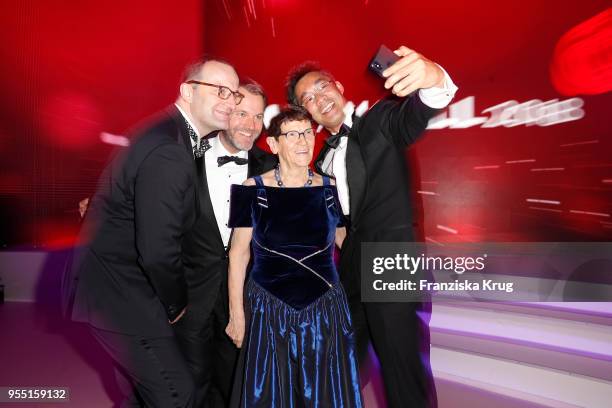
(195, 129)
(217, 149)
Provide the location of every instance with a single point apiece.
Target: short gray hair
(254, 88)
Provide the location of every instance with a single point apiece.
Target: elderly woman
(298, 349)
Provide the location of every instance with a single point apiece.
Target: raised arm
(404, 121)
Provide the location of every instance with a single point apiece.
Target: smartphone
(383, 59)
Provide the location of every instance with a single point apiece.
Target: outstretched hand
(411, 72)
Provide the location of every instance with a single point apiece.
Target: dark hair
(254, 88)
(287, 114)
(192, 70)
(298, 72)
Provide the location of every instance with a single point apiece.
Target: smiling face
(322, 98)
(245, 122)
(294, 152)
(209, 111)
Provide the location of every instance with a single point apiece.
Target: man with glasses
(229, 157)
(132, 273)
(368, 162)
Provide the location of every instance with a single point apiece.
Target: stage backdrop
(523, 153)
(543, 179)
(75, 73)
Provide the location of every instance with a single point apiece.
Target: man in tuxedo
(132, 270)
(230, 158)
(368, 162)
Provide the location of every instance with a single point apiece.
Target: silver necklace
(279, 181)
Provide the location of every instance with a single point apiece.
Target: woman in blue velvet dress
(293, 324)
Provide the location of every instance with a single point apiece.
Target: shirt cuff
(439, 97)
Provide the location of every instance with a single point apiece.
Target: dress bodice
(293, 238)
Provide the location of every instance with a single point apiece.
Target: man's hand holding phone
(410, 72)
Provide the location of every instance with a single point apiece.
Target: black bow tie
(334, 140)
(226, 159)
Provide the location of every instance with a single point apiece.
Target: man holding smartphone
(368, 162)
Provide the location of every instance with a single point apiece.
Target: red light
(582, 61)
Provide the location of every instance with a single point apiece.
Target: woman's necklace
(279, 181)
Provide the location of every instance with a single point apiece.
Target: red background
(73, 69)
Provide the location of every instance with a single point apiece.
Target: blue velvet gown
(299, 347)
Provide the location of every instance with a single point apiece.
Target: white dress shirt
(220, 179)
(335, 164)
(335, 161)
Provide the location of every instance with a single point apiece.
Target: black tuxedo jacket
(205, 257)
(128, 274)
(379, 185)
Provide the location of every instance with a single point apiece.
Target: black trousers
(401, 342)
(398, 334)
(151, 371)
(209, 352)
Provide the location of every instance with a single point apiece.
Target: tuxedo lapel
(183, 131)
(206, 206)
(332, 142)
(199, 164)
(318, 163)
(355, 172)
(184, 139)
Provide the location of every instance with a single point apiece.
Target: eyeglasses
(293, 136)
(223, 91)
(318, 89)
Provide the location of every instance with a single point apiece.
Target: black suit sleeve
(404, 120)
(163, 183)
